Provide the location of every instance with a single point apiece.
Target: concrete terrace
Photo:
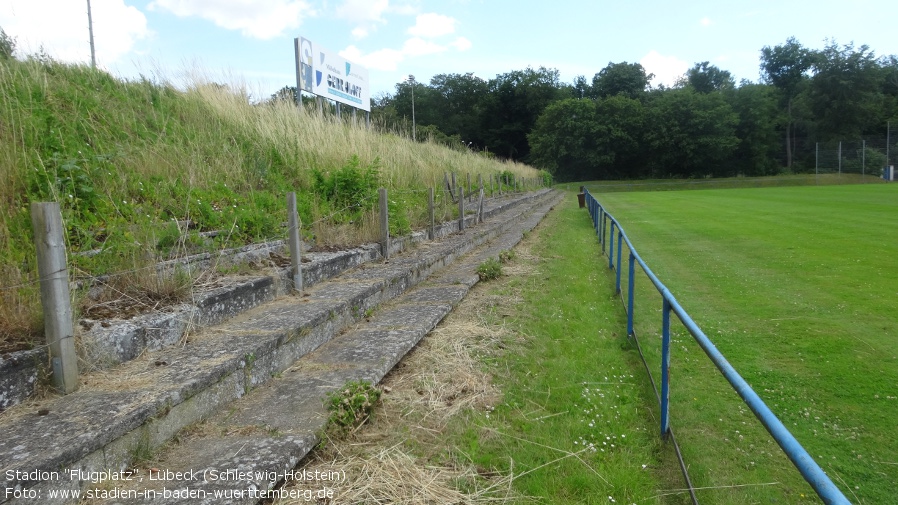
(259, 377)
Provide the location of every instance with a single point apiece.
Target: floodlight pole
(90, 29)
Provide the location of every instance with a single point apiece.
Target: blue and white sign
(328, 74)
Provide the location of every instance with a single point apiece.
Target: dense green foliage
(705, 125)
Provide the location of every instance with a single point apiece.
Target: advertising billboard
(329, 75)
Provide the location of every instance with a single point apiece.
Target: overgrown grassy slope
(142, 170)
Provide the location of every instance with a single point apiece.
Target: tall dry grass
(127, 160)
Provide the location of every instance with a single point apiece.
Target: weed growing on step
(250, 360)
(490, 270)
(351, 405)
(506, 256)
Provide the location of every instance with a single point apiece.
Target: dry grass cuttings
(444, 376)
(392, 475)
(399, 456)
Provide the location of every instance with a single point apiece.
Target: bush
(349, 190)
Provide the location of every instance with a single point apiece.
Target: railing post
(461, 208)
(611, 247)
(384, 223)
(620, 250)
(293, 224)
(453, 185)
(480, 207)
(631, 283)
(665, 366)
(46, 221)
(595, 216)
(431, 231)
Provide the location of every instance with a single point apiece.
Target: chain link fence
(867, 156)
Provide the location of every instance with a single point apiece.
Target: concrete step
(108, 342)
(132, 410)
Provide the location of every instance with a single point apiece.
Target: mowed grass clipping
(798, 287)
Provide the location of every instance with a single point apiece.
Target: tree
(757, 109)
(845, 92)
(585, 139)
(460, 102)
(515, 100)
(785, 67)
(564, 140)
(286, 94)
(628, 79)
(7, 45)
(707, 78)
(581, 88)
(692, 134)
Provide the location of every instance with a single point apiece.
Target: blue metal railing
(808, 468)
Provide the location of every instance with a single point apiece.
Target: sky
(249, 43)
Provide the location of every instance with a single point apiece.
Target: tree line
(618, 126)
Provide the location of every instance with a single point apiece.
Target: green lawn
(575, 424)
(798, 287)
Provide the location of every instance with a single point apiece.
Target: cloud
(667, 69)
(427, 27)
(461, 43)
(416, 46)
(432, 25)
(365, 15)
(361, 12)
(382, 59)
(61, 28)
(405, 7)
(260, 20)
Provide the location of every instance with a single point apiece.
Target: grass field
(797, 286)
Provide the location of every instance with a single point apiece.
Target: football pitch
(798, 288)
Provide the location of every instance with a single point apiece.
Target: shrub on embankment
(145, 171)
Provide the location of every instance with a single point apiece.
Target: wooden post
(294, 224)
(46, 221)
(470, 192)
(431, 233)
(461, 209)
(448, 187)
(384, 223)
(453, 185)
(480, 208)
(491, 185)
